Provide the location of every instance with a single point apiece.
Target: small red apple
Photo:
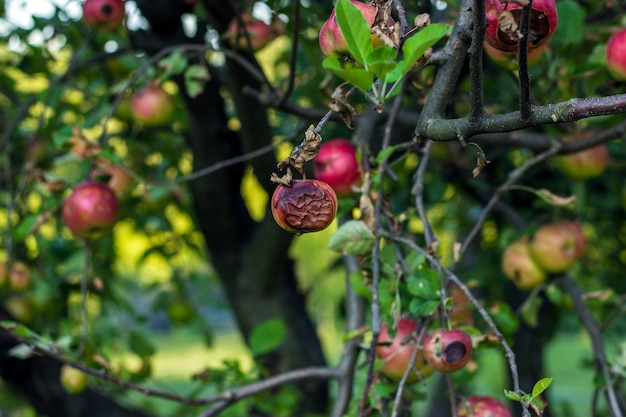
(332, 41)
(520, 267)
(555, 246)
(448, 350)
(107, 14)
(73, 380)
(259, 32)
(616, 55)
(91, 210)
(397, 352)
(503, 20)
(304, 206)
(336, 165)
(152, 105)
(482, 406)
(119, 179)
(585, 164)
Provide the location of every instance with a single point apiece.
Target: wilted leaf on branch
(553, 199)
(304, 152)
(339, 103)
(481, 163)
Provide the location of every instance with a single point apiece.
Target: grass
(182, 354)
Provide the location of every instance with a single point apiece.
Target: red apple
(555, 246)
(397, 352)
(73, 380)
(91, 210)
(448, 350)
(585, 164)
(616, 55)
(520, 267)
(332, 41)
(336, 165)
(119, 178)
(304, 206)
(107, 14)
(259, 32)
(482, 406)
(152, 105)
(503, 20)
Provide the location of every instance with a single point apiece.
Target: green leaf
(420, 307)
(355, 30)
(141, 343)
(422, 288)
(541, 386)
(353, 238)
(196, 77)
(512, 395)
(530, 310)
(21, 351)
(25, 226)
(572, 29)
(267, 336)
(174, 64)
(415, 46)
(384, 154)
(361, 79)
(357, 280)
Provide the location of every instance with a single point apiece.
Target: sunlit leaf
(541, 386)
(355, 30)
(353, 238)
(267, 336)
(361, 79)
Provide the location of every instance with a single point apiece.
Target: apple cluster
(552, 249)
(442, 350)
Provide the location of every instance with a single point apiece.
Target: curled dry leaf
(299, 155)
(481, 163)
(366, 206)
(421, 20)
(554, 199)
(507, 23)
(339, 103)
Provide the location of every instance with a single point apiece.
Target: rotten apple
(336, 164)
(520, 267)
(448, 350)
(304, 206)
(91, 210)
(396, 352)
(503, 24)
(107, 14)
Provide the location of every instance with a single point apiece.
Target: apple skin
(91, 210)
(152, 105)
(336, 165)
(616, 55)
(461, 310)
(259, 32)
(483, 406)
(397, 352)
(519, 266)
(107, 14)
(555, 246)
(543, 23)
(585, 164)
(304, 206)
(332, 41)
(448, 350)
(20, 276)
(73, 380)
